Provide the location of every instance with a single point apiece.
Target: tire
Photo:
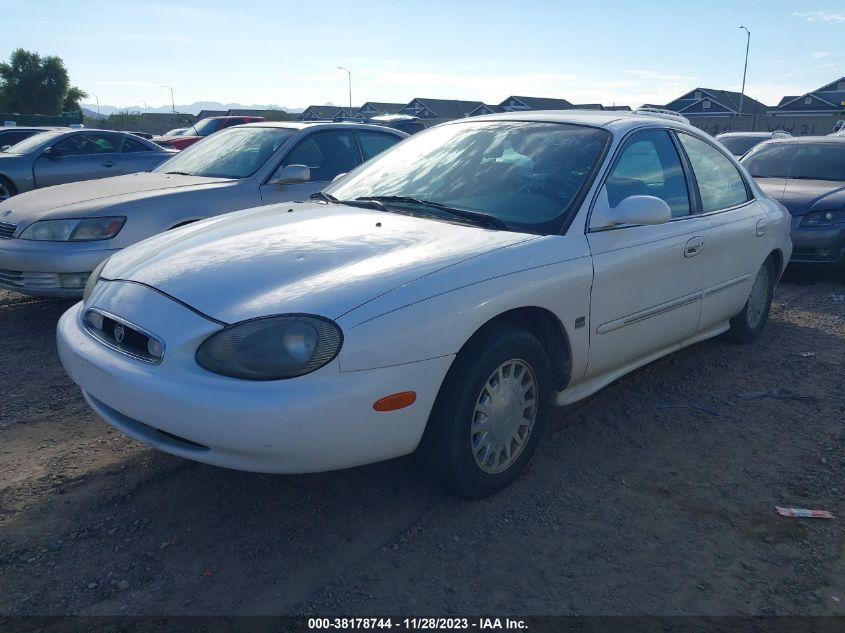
(7, 189)
(748, 324)
(499, 355)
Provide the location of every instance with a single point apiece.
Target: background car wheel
(748, 324)
(7, 189)
(489, 413)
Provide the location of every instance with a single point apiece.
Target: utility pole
(745, 69)
(349, 72)
(172, 104)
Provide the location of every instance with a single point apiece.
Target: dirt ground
(656, 496)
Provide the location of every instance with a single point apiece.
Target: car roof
(746, 134)
(615, 121)
(808, 139)
(29, 128)
(307, 125)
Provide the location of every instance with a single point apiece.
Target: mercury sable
(438, 299)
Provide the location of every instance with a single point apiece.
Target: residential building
(710, 102)
(829, 99)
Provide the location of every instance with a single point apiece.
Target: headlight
(81, 230)
(823, 218)
(92, 280)
(271, 348)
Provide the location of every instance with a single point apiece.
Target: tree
(31, 84)
(72, 98)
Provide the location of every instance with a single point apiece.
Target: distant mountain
(193, 108)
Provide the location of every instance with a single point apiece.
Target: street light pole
(98, 105)
(348, 72)
(172, 104)
(745, 69)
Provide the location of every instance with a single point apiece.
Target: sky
(283, 53)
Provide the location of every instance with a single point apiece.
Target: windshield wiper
(178, 173)
(473, 216)
(325, 197)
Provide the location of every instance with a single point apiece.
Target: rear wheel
(489, 414)
(7, 189)
(748, 324)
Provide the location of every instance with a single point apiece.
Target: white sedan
(437, 299)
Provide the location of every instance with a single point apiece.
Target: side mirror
(338, 177)
(4, 148)
(631, 210)
(292, 174)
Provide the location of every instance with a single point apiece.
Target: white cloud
(820, 16)
(820, 54)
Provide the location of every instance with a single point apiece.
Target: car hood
(803, 196)
(298, 258)
(90, 196)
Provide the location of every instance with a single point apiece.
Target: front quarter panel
(436, 315)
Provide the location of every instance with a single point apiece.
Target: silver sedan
(51, 239)
(56, 157)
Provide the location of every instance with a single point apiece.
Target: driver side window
(88, 143)
(327, 153)
(649, 165)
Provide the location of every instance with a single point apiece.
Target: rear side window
(373, 143)
(719, 182)
(649, 165)
(131, 145)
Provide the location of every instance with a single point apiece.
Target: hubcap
(504, 416)
(758, 298)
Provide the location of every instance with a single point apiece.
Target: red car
(203, 128)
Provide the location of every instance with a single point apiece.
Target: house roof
(385, 108)
(832, 86)
(447, 108)
(321, 111)
(539, 103)
(726, 98)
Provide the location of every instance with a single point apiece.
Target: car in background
(806, 175)
(51, 239)
(203, 128)
(12, 135)
(405, 122)
(177, 131)
(437, 299)
(59, 156)
(738, 143)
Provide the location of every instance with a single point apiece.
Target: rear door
(137, 156)
(647, 281)
(736, 224)
(80, 156)
(326, 152)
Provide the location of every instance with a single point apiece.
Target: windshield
(32, 143)
(234, 153)
(205, 127)
(806, 161)
(528, 175)
(738, 145)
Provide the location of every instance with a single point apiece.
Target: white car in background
(439, 298)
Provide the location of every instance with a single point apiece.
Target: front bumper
(322, 421)
(817, 244)
(35, 268)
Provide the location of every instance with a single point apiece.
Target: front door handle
(694, 246)
(107, 163)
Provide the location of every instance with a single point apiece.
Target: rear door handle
(107, 163)
(694, 246)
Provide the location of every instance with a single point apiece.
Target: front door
(327, 153)
(647, 279)
(80, 156)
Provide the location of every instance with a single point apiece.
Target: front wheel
(748, 324)
(489, 414)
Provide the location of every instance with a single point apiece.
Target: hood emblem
(7, 213)
(119, 332)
